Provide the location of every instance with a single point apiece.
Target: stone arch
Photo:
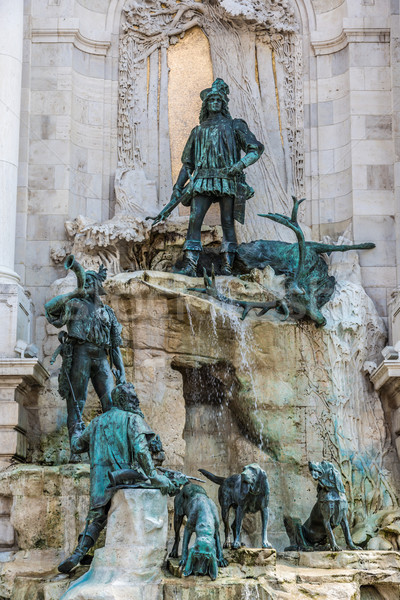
(306, 15)
(276, 176)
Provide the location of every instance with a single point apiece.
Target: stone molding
(29, 370)
(387, 375)
(386, 380)
(67, 30)
(354, 31)
(20, 379)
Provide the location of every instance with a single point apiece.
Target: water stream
(242, 330)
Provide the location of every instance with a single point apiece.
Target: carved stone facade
(91, 96)
(266, 90)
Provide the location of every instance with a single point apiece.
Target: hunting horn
(72, 263)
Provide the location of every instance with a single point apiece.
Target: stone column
(20, 378)
(13, 302)
(11, 41)
(129, 565)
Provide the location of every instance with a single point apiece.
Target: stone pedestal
(394, 318)
(20, 381)
(386, 377)
(129, 565)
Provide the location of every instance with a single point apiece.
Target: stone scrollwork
(128, 243)
(266, 90)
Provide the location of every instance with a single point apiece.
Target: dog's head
(327, 475)
(202, 559)
(253, 480)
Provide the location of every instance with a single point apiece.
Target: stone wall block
(378, 127)
(373, 54)
(373, 228)
(380, 177)
(383, 277)
(359, 173)
(372, 103)
(341, 109)
(382, 255)
(343, 207)
(370, 152)
(378, 78)
(41, 177)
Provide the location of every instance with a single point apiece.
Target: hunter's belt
(210, 173)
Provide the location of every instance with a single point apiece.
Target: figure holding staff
(90, 347)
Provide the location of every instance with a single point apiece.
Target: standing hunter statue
(91, 345)
(212, 163)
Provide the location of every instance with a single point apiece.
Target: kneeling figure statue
(117, 439)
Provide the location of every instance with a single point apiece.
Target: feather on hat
(218, 88)
(100, 275)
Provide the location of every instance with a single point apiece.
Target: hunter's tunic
(213, 147)
(114, 440)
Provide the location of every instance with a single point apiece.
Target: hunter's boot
(73, 457)
(78, 554)
(227, 262)
(190, 261)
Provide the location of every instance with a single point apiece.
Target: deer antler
(293, 224)
(211, 290)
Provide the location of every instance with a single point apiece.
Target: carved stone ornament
(259, 38)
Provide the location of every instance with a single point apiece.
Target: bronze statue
(205, 556)
(307, 281)
(212, 163)
(117, 439)
(329, 511)
(91, 345)
(247, 492)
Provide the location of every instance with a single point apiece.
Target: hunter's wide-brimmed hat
(218, 88)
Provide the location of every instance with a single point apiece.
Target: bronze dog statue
(247, 492)
(205, 556)
(329, 511)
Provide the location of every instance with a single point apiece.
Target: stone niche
(170, 51)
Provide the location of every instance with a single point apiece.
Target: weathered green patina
(91, 345)
(307, 281)
(117, 439)
(329, 511)
(212, 162)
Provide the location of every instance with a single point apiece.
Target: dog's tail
(213, 478)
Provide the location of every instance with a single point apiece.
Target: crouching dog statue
(205, 556)
(329, 511)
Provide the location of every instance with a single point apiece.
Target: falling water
(230, 316)
(250, 592)
(189, 314)
(213, 315)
